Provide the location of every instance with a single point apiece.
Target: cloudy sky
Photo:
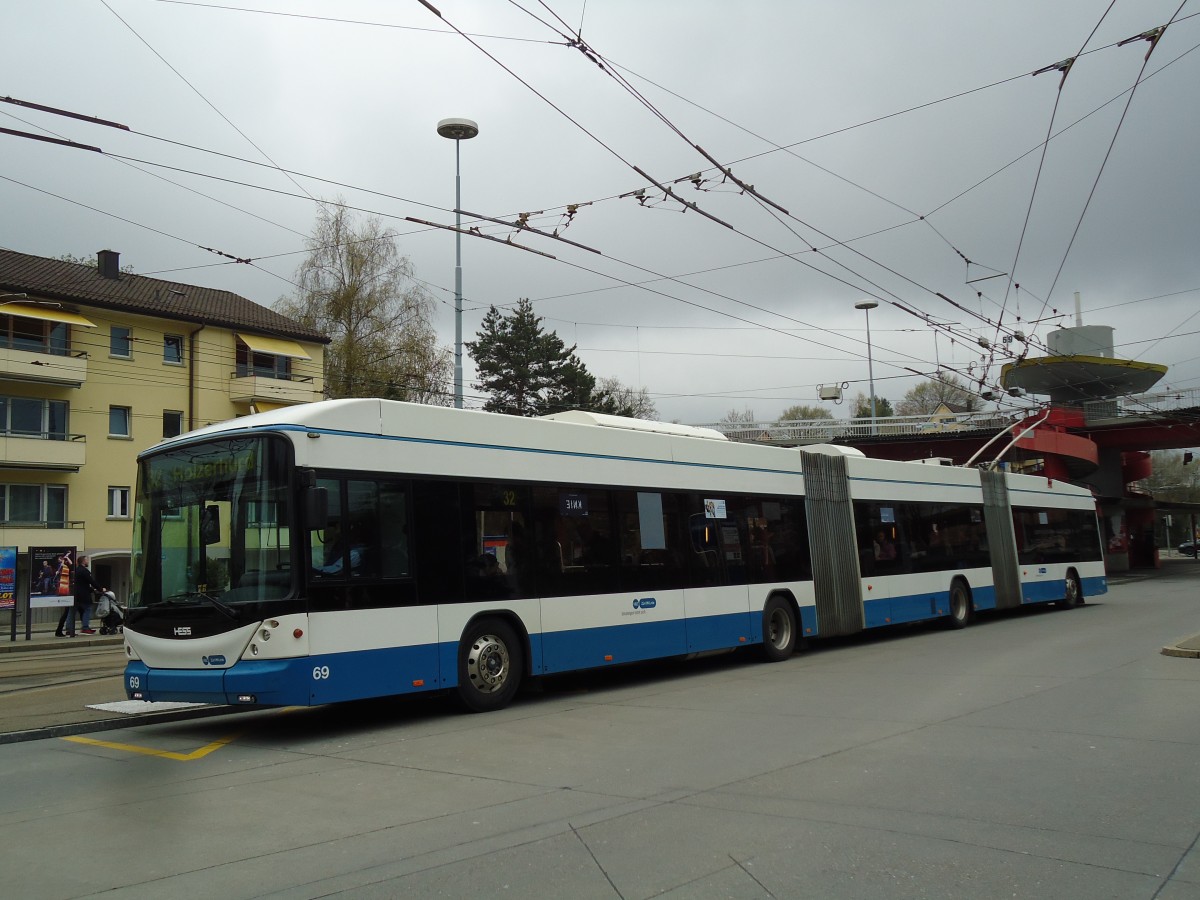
(888, 143)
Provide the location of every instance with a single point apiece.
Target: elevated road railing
(798, 432)
(826, 431)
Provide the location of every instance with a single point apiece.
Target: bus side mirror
(210, 525)
(316, 507)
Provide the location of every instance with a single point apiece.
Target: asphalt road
(1044, 753)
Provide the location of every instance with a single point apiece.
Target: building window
(120, 421)
(118, 503)
(262, 365)
(173, 349)
(35, 335)
(32, 417)
(172, 423)
(120, 342)
(34, 504)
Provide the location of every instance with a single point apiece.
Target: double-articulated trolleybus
(362, 548)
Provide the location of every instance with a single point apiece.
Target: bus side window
(393, 530)
(325, 548)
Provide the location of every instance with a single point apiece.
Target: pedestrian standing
(85, 588)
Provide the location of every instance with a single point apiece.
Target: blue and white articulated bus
(363, 548)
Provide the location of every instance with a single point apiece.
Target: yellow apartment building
(95, 366)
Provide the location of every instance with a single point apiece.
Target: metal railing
(823, 431)
(820, 431)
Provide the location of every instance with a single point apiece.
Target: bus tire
(960, 605)
(490, 665)
(1072, 591)
(779, 630)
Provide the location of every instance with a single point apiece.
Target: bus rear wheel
(960, 605)
(1072, 592)
(778, 630)
(490, 664)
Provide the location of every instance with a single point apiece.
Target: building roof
(54, 279)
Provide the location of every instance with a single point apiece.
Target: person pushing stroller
(85, 585)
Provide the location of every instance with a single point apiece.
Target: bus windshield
(212, 525)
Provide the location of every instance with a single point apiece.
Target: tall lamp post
(866, 306)
(457, 130)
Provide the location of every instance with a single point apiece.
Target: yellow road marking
(150, 751)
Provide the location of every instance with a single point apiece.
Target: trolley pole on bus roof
(866, 306)
(457, 130)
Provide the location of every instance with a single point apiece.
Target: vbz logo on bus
(645, 603)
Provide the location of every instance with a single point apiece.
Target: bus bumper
(246, 683)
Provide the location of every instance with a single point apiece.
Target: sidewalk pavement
(45, 639)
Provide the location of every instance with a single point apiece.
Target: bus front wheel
(778, 630)
(490, 663)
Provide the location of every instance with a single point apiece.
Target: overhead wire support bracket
(687, 203)
(522, 225)
(748, 188)
(1154, 35)
(64, 112)
(1063, 65)
(49, 140)
(474, 232)
(236, 259)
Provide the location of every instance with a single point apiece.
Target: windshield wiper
(225, 608)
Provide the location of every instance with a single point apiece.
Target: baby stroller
(109, 613)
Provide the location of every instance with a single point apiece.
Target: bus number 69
(320, 673)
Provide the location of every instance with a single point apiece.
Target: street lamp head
(866, 304)
(457, 129)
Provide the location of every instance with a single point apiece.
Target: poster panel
(50, 571)
(8, 577)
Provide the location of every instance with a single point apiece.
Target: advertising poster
(50, 576)
(8, 577)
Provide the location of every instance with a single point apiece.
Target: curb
(1185, 648)
(45, 641)
(133, 721)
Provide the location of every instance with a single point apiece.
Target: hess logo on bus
(645, 603)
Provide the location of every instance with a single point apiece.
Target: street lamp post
(866, 306)
(457, 130)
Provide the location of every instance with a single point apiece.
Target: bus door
(879, 543)
(717, 598)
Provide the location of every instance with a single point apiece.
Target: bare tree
(943, 387)
(802, 412)
(356, 287)
(611, 396)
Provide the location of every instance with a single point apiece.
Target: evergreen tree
(525, 370)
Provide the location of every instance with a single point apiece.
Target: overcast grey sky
(889, 111)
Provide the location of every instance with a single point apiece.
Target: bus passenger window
(393, 530)
(326, 556)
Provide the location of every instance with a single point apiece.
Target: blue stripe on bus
(334, 677)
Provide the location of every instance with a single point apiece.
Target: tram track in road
(53, 693)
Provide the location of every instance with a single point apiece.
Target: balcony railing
(43, 366)
(250, 388)
(61, 452)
